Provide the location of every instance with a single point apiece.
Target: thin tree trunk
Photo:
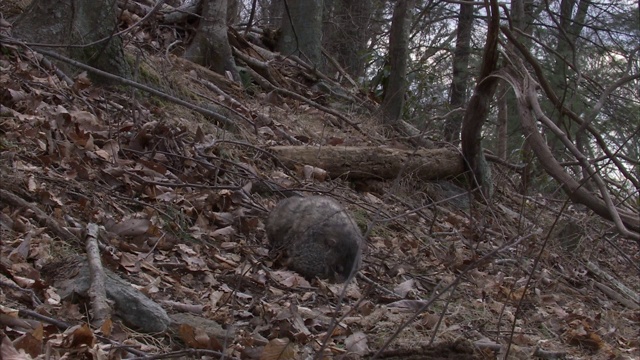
(478, 109)
(461, 55)
(503, 114)
(347, 33)
(398, 55)
(302, 30)
(570, 27)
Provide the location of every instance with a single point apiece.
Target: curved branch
(524, 87)
(614, 214)
(596, 108)
(546, 87)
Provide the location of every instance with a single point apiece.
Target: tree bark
(398, 55)
(373, 162)
(460, 75)
(522, 17)
(302, 30)
(74, 24)
(478, 109)
(210, 46)
(502, 126)
(347, 33)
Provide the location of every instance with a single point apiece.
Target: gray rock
(133, 307)
(317, 236)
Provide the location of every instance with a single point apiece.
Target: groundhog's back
(317, 235)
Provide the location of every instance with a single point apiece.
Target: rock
(136, 310)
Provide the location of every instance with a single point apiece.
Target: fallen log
(373, 162)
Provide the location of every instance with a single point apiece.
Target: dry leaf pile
(181, 207)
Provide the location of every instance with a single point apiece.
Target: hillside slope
(180, 200)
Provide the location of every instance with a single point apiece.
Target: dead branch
(615, 295)
(35, 301)
(97, 291)
(263, 53)
(259, 66)
(41, 217)
(629, 293)
(213, 87)
(604, 192)
(342, 71)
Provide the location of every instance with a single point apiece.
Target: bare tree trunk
(503, 115)
(347, 33)
(461, 56)
(581, 144)
(50, 21)
(571, 23)
(302, 30)
(398, 56)
(528, 170)
(232, 11)
(272, 11)
(478, 109)
(522, 17)
(210, 47)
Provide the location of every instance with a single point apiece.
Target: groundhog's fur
(317, 236)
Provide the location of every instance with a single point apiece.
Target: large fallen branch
(373, 162)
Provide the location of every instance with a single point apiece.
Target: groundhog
(317, 236)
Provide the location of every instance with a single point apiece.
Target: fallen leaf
(279, 349)
(404, 287)
(223, 233)
(79, 335)
(289, 279)
(412, 305)
(31, 343)
(357, 343)
(9, 352)
(131, 227)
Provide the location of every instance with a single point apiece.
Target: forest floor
(181, 205)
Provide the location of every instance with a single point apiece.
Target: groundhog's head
(343, 258)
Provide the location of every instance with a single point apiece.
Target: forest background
(489, 152)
